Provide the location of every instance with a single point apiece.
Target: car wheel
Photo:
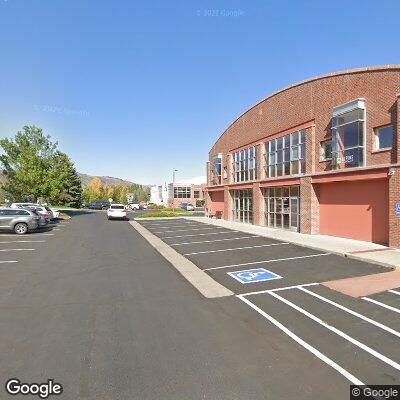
(21, 228)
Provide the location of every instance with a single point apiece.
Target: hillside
(105, 180)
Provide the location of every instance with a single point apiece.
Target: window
(348, 131)
(244, 165)
(243, 206)
(196, 194)
(282, 207)
(216, 169)
(384, 137)
(285, 155)
(326, 150)
(182, 192)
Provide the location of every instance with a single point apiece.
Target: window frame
(279, 155)
(180, 192)
(343, 116)
(322, 157)
(244, 165)
(376, 137)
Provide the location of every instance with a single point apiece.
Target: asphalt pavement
(96, 308)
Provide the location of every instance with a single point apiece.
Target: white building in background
(159, 195)
(186, 190)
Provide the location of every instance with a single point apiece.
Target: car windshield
(118, 207)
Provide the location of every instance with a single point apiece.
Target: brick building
(320, 156)
(186, 191)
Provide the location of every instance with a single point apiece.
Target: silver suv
(18, 220)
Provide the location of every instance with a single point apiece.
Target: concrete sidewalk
(365, 251)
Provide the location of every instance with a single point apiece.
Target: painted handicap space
(254, 275)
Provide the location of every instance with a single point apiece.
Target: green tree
(65, 184)
(34, 168)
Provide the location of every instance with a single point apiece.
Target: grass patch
(63, 216)
(165, 213)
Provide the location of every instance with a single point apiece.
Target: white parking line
(279, 289)
(8, 262)
(33, 234)
(356, 314)
(190, 229)
(236, 248)
(340, 333)
(198, 234)
(172, 226)
(382, 304)
(394, 292)
(22, 241)
(5, 250)
(212, 241)
(302, 343)
(267, 261)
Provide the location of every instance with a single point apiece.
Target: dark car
(98, 205)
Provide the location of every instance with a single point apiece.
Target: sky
(136, 89)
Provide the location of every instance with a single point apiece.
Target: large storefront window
(216, 169)
(282, 207)
(285, 155)
(244, 165)
(182, 192)
(243, 206)
(348, 131)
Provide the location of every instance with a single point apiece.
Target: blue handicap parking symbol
(398, 209)
(254, 275)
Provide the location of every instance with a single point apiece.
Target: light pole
(173, 188)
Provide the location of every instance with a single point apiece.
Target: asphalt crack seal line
(207, 286)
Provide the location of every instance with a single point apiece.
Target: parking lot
(16, 248)
(358, 338)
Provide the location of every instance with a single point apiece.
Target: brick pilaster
(258, 205)
(227, 204)
(309, 207)
(394, 197)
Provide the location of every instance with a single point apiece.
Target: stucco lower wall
(355, 210)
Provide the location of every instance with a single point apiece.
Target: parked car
(143, 205)
(116, 211)
(43, 219)
(187, 206)
(23, 205)
(98, 205)
(134, 206)
(19, 220)
(45, 211)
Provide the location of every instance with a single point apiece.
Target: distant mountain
(106, 180)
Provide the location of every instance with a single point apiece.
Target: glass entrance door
(282, 207)
(243, 206)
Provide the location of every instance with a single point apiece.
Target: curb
(346, 255)
(207, 286)
(155, 218)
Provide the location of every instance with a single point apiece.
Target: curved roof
(315, 78)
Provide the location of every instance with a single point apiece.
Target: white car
(116, 211)
(56, 213)
(23, 205)
(134, 206)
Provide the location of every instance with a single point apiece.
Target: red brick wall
(310, 105)
(394, 190)
(314, 101)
